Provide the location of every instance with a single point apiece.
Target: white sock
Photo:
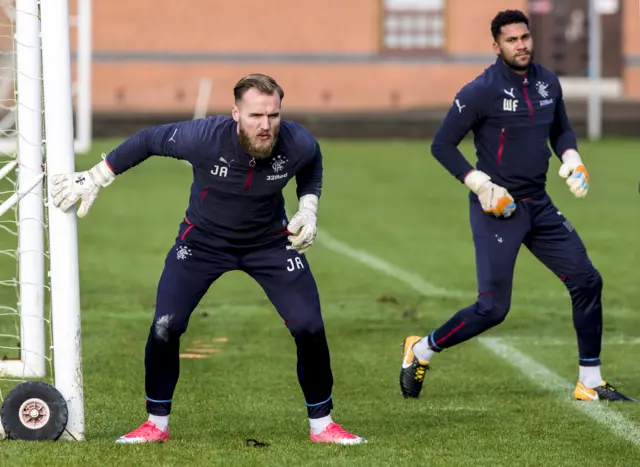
(319, 424)
(161, 421)
(590, 376)
(422, 351)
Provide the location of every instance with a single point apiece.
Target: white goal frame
(43, 69)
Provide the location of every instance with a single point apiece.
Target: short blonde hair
(262, 83)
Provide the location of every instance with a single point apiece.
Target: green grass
(393, 201)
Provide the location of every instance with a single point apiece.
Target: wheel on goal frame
(34, 411)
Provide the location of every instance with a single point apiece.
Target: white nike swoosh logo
(405, 362)
(593, 397)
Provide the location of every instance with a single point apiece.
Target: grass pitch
(394, 257)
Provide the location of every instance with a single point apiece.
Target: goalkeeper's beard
(513, 63)
(257, 148)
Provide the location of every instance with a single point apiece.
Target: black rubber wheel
(34, 411)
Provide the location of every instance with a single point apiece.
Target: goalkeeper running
(235, 220)
(514, 107)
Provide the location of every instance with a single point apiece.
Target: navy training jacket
(513, 118)
(233, 195)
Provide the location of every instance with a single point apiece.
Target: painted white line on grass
(539, 374)
(414, 281)
(562, 388)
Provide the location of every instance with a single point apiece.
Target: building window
(413, 25)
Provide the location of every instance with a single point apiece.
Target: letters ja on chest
(270, 176)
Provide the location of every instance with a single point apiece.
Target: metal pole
(594, 120)
(63, 236)
(31, 207)
(84, 110)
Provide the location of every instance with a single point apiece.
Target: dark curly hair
(505, 18)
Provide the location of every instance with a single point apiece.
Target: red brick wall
(329, 27)
(333, 29)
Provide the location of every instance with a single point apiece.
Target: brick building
(337, 55)
(352, 63)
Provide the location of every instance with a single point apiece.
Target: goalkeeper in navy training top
(513, 108)
(235, 220)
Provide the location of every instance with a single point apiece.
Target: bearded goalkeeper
(235, 221)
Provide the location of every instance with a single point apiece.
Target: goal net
(81, 22)
(39, 290)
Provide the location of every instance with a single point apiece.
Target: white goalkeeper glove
(303, 224)
(575, 172)
(67, 189)
(493, 198)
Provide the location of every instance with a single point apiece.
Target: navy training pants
(192, 265)
(541, 227)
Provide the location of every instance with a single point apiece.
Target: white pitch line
(414, 281)
(562, 388)
(539, 374)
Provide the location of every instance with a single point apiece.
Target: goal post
(63, 236)
(30, 208)
(40, 332)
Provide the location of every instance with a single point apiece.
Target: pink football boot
(145, 433)
(334, 433)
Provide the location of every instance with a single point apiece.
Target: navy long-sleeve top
(233, 195)
(513, 118)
